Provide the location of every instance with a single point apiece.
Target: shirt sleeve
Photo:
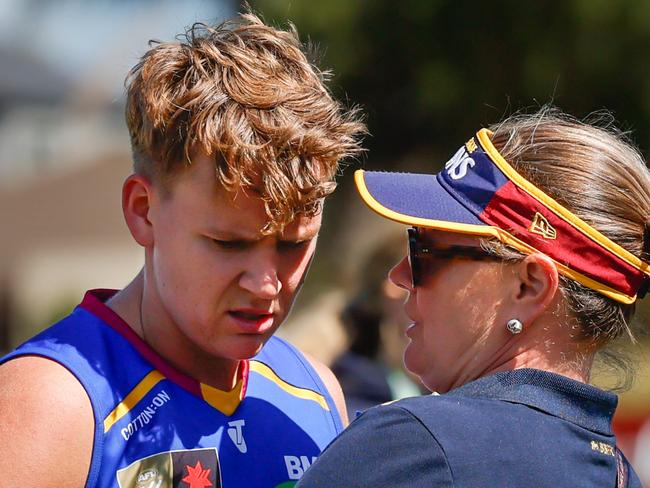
(387, 446)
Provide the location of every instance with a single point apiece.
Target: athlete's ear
(137, 194)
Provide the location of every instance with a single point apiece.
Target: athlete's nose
(261, 278)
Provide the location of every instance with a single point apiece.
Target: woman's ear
(136, 203)
(536, 283)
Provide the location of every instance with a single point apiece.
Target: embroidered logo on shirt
(602, 448)
(237, 435)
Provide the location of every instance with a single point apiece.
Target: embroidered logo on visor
(541, 226)
(457, 166)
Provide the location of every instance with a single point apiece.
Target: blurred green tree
(430, 72)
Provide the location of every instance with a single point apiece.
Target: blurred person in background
(642, 451)
(527, 253)
(370, 370)
(177, 380)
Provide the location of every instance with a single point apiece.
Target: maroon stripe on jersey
(93, 302)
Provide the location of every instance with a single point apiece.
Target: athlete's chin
(246, 346)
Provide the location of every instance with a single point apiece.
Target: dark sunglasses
(417, 252)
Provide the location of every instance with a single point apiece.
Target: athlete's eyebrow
(233, 235)
(242, 235)
(305, 233)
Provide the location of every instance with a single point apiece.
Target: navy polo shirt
(521, 428)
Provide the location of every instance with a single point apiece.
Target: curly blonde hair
(245, 93)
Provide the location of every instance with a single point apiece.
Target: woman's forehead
(432, 236)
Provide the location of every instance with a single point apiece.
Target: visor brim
(418, 200)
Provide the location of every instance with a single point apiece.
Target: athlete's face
(217, 283)
(453, 312)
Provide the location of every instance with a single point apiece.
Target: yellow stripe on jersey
(304, 393)
(132, 399)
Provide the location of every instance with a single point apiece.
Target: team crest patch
(194, 468)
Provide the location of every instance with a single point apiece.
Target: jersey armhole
(315, 377)
(98, 434)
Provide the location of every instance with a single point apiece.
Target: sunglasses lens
(413, 256)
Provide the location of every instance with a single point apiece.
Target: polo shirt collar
(573, 401)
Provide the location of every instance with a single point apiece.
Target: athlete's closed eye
(292, 245)
(231, 245)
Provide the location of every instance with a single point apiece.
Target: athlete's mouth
(253, 320)
(250, 315)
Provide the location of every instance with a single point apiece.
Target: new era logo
(541, 226)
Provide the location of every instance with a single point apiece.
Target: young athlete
(177, 380)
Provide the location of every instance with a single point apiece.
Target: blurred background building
(428, 73)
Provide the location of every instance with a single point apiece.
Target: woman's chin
(413, 360)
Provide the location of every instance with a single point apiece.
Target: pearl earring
(514, 326)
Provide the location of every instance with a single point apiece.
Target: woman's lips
(409, 330)
(252, 321)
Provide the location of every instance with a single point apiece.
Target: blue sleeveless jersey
(158, 428)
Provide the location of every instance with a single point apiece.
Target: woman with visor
(527, 253)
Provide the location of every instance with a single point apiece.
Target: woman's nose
(400, 274)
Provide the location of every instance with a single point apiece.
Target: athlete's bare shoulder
(332, 385)
(47, 425)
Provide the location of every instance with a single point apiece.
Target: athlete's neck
(131, 305)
